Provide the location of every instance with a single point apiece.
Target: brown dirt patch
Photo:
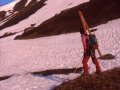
(107, 80)
(58, 71)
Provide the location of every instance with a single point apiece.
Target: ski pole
(76, 68)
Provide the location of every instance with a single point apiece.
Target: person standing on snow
(88, 52)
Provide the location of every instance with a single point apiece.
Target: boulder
(28, 29)
(107, 56)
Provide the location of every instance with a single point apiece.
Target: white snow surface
(20, 57)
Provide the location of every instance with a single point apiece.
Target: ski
(86, 28)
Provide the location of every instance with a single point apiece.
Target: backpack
(92, 41)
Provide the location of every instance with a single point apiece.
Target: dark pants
(90, 53)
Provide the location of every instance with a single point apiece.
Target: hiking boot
(97, 72)
(85, 74)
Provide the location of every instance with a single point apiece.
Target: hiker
(88, 52)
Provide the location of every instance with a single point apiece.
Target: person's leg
(85, 65)
(95, 61)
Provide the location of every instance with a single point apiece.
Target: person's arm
(84, 42)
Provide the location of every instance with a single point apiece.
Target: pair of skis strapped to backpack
(88, 32)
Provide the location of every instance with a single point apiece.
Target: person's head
(82, 31)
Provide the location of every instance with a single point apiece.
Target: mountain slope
(96, 12)
(23, 11)
(43, 63)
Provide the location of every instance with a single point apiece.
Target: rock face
(20, 5)
(2, 14)
(28, 29)
(7, 34)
